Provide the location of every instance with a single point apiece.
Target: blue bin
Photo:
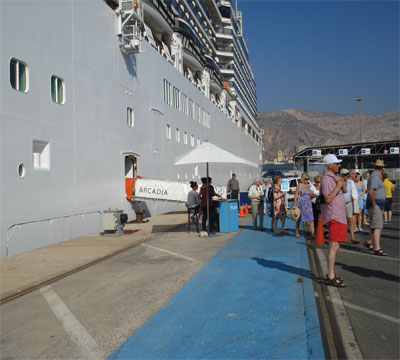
(228, 216)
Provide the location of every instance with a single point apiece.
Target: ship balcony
(216, 77)
(193, 49)
(159, 17)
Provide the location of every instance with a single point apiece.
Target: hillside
(295, 129)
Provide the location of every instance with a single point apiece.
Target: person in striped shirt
(333, 212)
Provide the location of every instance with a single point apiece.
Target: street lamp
(359, 99)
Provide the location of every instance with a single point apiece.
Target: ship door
(130, 175)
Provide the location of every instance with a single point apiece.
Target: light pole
(359, 99)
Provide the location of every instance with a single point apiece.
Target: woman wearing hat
(302, 198)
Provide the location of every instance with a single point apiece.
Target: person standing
(361, 190)
(268, 208)
(315, 192)
(375, 205)
(354, 198)
(256, 194)
(389, 187)
(302, 198)
(333, 212)
(203, 195)
(233, 187)
(365, 213)
(279, 205)
(345, 174)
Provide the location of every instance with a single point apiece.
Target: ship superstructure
(94, 94)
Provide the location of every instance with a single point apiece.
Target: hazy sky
(321, 55)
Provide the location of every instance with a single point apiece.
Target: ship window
(19, 75)
(177, 135)
(41, 155)
(198, 141)
(191, 109)
(185, 138)
(21, 170)
(208, 122)
(192, 140)
(196, 112)
(57, 89)
(169, 135)
(167, 92)
(176, 98)
(130, 117)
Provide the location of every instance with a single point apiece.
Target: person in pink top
(333, 212)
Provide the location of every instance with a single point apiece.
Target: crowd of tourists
(344, 200)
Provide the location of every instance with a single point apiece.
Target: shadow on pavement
(369, 272)
(282, 266)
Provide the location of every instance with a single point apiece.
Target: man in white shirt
(256, 195)
(354, 196)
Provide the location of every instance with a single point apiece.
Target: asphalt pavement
(371, 298)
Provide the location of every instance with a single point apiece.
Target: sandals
(380, 252)
(335, 282)
(368, 245)
(336, 276)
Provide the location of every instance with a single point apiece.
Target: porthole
(21, 170)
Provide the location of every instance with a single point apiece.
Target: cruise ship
(96, 95)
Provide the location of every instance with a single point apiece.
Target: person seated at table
(194, 200)
(203, 196)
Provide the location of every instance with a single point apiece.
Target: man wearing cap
(348, 198)
(375, 205)
(334, 214)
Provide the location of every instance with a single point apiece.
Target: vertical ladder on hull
(130, 20)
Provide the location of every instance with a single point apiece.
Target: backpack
(270, 195)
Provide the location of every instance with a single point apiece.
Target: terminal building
(360, 156)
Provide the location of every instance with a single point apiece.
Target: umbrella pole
(208, 203)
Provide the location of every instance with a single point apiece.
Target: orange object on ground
(128, 188)
(241, 212)
(246, 209)
(320, 239)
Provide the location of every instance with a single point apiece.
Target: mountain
(294, 129)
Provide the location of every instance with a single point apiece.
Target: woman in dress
(302, 198)
(361, 191)
(279, 205)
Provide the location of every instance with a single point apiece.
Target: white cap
(331, 159)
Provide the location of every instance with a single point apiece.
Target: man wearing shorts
(348, 199)
(375, 205)
(334, 214)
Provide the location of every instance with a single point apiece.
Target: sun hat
(344, 172)
(331, 159)
(379, 162)
(296, 211)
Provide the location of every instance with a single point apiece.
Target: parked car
(293, 182)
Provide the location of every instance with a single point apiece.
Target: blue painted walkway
(245, 303)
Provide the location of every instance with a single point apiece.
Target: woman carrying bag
(302, 198)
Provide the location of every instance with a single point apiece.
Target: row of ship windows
(19, 80)
(180, 101)
(130, 120)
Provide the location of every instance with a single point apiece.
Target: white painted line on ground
(89, 349)
(349, 340)
(368, 311)
(170, 252)
(367, 254)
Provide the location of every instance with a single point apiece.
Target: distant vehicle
(293, 182)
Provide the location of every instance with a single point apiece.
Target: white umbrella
(208, 153)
